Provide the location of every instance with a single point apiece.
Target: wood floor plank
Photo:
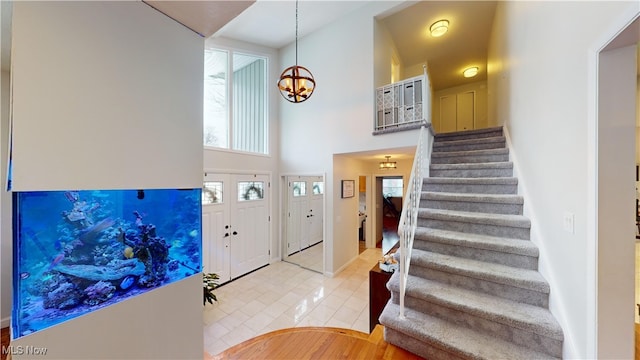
(316, 343)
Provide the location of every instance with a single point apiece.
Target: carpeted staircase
(473, 291)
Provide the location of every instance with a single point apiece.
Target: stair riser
(479, 207)
(471, 188)
(470, 159)
(523, 295)
(512, 334)
(423, 349)
(445, 138)
(471, 173)
(496, 257)
(444, 147)
(475, 228)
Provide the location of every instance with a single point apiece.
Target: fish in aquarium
(79, 251)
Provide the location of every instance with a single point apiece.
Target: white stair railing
(419, 171)
(409, 217)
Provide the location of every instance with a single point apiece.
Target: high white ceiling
(272, 23)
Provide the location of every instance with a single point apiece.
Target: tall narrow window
(216, 118)
(235, 113)
(249, 108)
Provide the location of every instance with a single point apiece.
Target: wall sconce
(387, 164)
(439, 28)
(470, 72)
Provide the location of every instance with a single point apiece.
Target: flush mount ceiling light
(296, 83)
(387, 164)
(470, 72)
(439, 28)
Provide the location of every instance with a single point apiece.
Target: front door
(215, 226)
(250, 224)
(235, 224)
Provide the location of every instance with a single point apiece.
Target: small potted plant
(209, 283)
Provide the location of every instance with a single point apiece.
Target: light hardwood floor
(316, 343)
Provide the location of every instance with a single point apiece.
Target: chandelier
(296, 82)
(387, 164)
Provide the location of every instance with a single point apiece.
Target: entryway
(235, 224)
(389, 201)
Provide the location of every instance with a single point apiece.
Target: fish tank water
(79, 251)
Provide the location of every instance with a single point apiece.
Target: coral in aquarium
(99, 292)
(83, 250)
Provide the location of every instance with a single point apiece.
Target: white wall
(109, 95)
(338, 117)
(225, 161)
(6, 258)
(115, 106)
(538, 83)
(384, 51)
(6, 242)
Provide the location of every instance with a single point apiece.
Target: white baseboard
(333, 274)
(5, 322)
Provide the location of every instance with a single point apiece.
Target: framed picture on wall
(348, 188)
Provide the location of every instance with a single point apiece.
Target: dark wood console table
(379, 295)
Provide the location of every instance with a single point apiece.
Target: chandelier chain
(296, 32)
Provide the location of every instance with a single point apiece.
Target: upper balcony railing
(403, 105)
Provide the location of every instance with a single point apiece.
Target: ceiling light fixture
(439, 28)
(296, 83)
(387, 164)
(470, 72)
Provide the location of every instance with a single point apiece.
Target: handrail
(409, 217)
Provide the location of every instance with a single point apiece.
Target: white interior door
(215, 226)
(466, 110)
(448, 113)
(249, 244)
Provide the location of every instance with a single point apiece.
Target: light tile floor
(310, 258)
(283, 295)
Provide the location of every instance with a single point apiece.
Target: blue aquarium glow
(79, 251)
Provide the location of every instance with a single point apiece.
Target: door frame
(603, 337)
(269, 174)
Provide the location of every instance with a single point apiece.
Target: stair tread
(470, 166)
(443, 136)
(470, 197)
(512, 246)
(492, 139)
(515, 314)
(454, 338)
(501, 274)
(516, 221)
(485, 152)
(477, 181)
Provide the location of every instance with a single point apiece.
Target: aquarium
(79, 251)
